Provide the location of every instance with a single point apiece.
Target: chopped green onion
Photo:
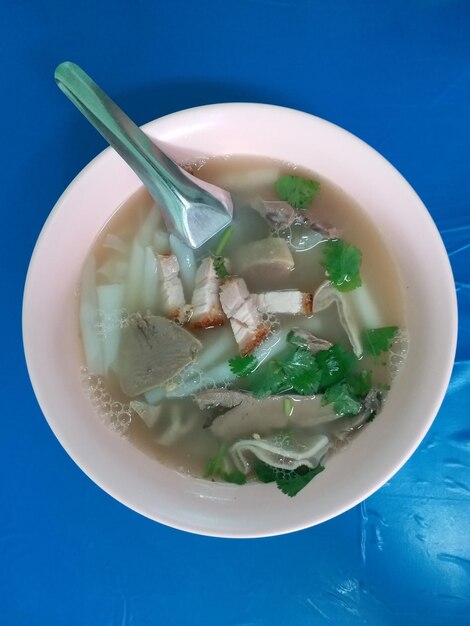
(223, 241)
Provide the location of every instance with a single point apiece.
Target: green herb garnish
(236, 477)
(243, 365)
(344, 401)
(289, 482)
(272, 380)
(226, 235)
(216, 464)
(287, 406)
(298, 371)
(216, 467)
(360, 383)
(342, 262)
(264, 472)
(295, 481)
(302, 371)
(297, 191)
(378, 340)
(219, 267)
(335, 364)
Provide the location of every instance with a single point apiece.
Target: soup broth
(182, 422)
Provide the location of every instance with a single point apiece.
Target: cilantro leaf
(243, 365)
(295, 481)
(216, 465)
(272, 380)
(303, 372)
(360, 383)
(343, 400)
(378, 340)
(264, 472)
(297, 191)
(334, 364)
(236, 477)
(342, 262)
(289, 482)
(219, 267)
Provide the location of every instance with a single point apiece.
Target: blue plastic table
(397, 74)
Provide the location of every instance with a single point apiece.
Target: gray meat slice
(153, 349)
(313, 343)
(281, 215)
(220, 397)
(262, 416)
(265, 256)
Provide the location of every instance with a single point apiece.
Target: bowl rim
(439, 389)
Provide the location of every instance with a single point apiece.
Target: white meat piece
(324, 297)
(287, 302)
(207, 311)
(172, 288)
(244, 317)
(280, 454)
(269, 257)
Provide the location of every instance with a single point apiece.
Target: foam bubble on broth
(116, 415)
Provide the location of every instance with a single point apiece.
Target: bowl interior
(51, 334)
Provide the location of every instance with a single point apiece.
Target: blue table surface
(397, 74)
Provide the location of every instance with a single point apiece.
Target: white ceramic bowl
(51, 334)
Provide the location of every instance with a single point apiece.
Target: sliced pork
(286, 302)
(245, 319)
(206, 308)
(172, 289)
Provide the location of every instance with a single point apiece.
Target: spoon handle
(171, 187)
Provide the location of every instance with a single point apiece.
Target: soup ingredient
(289, 482)
(342, 262)
(113, 242)
(279, 215)
(134, 277)
(279, 451)
(287, 302)
(378, 340)
(225, 238)
(178, 426)
(219, 267)
(186, 262)
(344, 400)
(89, 318)
(335, 364)
(297, 371)
(265, 257)
(244, 317)
(303, 339)
(161, 242)
(149, 414)
(271, 394)
(113, 271)
(243, 365)
(324, 297)
(207, 310)
(218, 467)
(153, 349)
(110, 300)
(263, 416)
(172, 288)
(299, 192)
